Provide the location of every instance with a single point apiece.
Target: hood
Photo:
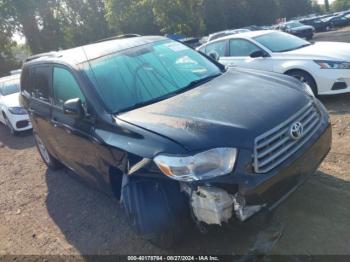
(322, 50)
(229, 111)
(11, 100)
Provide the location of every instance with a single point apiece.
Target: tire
(10, 127)
(48, 159)
(157, 210)
(305, 78)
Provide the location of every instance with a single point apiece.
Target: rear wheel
(49, 160)
(305, 78)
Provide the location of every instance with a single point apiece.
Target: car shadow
(95, 223)
(337, 104)
(20, 141)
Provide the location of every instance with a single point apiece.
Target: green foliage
(340, 5)
(131, 16)
(179, 16)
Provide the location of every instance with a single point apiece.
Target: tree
(179, 16)
(7, 29)
(131, 16)
(340, 5)
(326, 5)
(293, 8)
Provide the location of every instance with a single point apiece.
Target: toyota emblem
(296, 131)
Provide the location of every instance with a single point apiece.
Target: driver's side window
(241, 47)
(65, 86)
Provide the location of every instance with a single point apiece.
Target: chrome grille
(276, 145)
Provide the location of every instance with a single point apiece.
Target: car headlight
(17, 110)
(308, 90)
(333, 64)
(204, 165)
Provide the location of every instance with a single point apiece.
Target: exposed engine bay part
(138, 166)
(213, 205)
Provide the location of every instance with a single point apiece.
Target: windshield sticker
(177, 47)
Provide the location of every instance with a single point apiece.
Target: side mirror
(214, 55)
(73, 107)
(258, 53)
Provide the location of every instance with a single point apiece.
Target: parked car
(220, 34)
(171, 132)
(337, 21)
(324, 66)
(12, 114)
(318, 24)
(298, 29)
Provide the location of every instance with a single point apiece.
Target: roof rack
(48, 54)
(117, 37)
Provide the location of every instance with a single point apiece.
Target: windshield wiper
(191, 85)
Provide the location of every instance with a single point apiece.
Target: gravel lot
(46, 212)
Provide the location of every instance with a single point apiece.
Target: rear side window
(25, 81)
(65, 86)
(41, 83)
(217, 47)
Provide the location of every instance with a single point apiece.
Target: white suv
(324, 66)
(12, 114)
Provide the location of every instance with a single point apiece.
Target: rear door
(38, 92)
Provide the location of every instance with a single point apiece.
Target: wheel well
(303, 71)
(115, 179)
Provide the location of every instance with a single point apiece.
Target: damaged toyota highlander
(175, 136)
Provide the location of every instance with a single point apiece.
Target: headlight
(208, 164)
(333, 64)
(17, 110)
(308, 90)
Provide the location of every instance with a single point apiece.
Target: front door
(239, 51)
(72, 135)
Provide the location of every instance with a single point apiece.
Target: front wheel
(48, 159)
(10, 127)
(158, 210)
(305, 78)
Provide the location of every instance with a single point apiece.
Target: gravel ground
(46, 212)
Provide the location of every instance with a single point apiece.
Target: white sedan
(324, 66)
(12, 114)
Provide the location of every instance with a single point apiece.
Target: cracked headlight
(333, 64)
(17, 110)
(204, 165)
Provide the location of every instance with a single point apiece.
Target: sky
(322, 1)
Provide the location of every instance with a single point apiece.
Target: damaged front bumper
(213, 203)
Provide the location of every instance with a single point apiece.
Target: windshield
(9, 88)
(281, 42)
(147, 74)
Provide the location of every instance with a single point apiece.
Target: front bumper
(327, 79)
(278, 187)
(19, 122)
(252, 192)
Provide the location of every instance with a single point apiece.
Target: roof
(81, 54)
(250, 34)
(9, 78)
